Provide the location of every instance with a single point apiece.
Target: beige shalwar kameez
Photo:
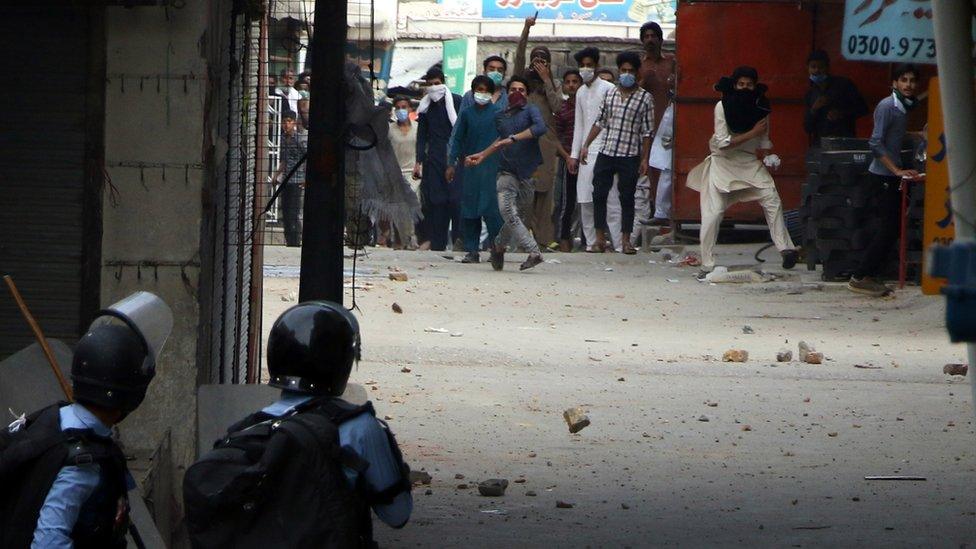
(731, 175)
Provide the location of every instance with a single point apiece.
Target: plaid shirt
(626, 121)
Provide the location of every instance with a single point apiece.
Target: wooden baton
(39, 335)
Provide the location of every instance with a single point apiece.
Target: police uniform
(79, 488)
(365, 436)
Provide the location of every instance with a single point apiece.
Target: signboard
(889, 30)
(460, 63)
(619, 11)
(938, 227)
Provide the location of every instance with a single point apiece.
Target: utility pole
(324, 212)
(953, 20)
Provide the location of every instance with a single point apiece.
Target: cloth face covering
(435, 94)
(587, 74)
(743, 108)
(516, 100)
(818, 78)
(402, 115)
(628, 80)
(482, 98)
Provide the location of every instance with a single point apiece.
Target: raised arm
(519, 63)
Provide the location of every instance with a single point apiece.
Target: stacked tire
(839, 212)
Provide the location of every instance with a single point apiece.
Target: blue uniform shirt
(364, 435)
(72, 487)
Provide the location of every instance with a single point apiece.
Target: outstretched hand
(474, 159)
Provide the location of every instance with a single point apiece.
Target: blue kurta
(474, 132)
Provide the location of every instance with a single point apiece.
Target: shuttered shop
(46, 203)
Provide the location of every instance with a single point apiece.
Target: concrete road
(683, 449)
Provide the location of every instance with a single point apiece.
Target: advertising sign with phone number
(889, 30)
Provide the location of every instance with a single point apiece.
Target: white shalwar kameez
(589, 100)
(660, 159)
(732, 175)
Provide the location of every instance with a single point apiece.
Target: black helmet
(107, 369)
(116, 359)
(312, 347)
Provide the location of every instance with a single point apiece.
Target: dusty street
(683, 449)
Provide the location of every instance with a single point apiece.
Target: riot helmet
(115, 360)
(312, 347)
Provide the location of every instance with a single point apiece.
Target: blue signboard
(623, 11)
(889, 30)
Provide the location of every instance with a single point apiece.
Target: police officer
(64, 478)
(311, 351)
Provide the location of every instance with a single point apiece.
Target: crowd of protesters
(530, 161)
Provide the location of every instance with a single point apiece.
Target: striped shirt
(626, 121)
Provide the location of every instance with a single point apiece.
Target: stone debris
(530, 493)
(955, 369)
(420, 477)
(747, 428)
(814, 357)
(397, 308)
(459, 476)
(560, 504)
(387, 418)
(430, 330)
(290, 296)
(399, 276)
(405, 370)
(735, 355)
(784, 355)
(462, 486)
(519, 481)
(804, 349)
(624, 506)
(576, 419)
(748, 330)
(493, 487)
(703, 418)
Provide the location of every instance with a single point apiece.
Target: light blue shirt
(71, 489)
(364, 435)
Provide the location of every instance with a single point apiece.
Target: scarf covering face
(435, 94)
(908, 102)
(516, 100)
(743, 108)
(536, 84)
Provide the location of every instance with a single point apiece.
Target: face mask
(437, 92)
(496, 77)
(587, 74)
(402, 115)
(482, 98)
(818, 78)
(516, 99)
(628, 80)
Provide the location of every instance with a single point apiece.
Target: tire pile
(839, 212)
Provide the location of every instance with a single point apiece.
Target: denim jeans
(515, 195)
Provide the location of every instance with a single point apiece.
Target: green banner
(460, 63)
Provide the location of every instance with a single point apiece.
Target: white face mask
(587, 74)
(482, 98)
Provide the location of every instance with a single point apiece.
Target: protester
(627, 115)
(734, 171)
(494, 67)
(291, 153)
(307, 470)
(474, 132)
(890, 128)
(833, 103)
(657, 76)
(519, 153)
(403, 136)
(565, 187)
(661, 159)
(286, 89)
(64, 478)
(441, 204)
(606, 74)
(546, 96)
(589, 100)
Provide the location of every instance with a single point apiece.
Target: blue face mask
(402, 115)
(818, 78)
(628, 80)
(496, 77)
